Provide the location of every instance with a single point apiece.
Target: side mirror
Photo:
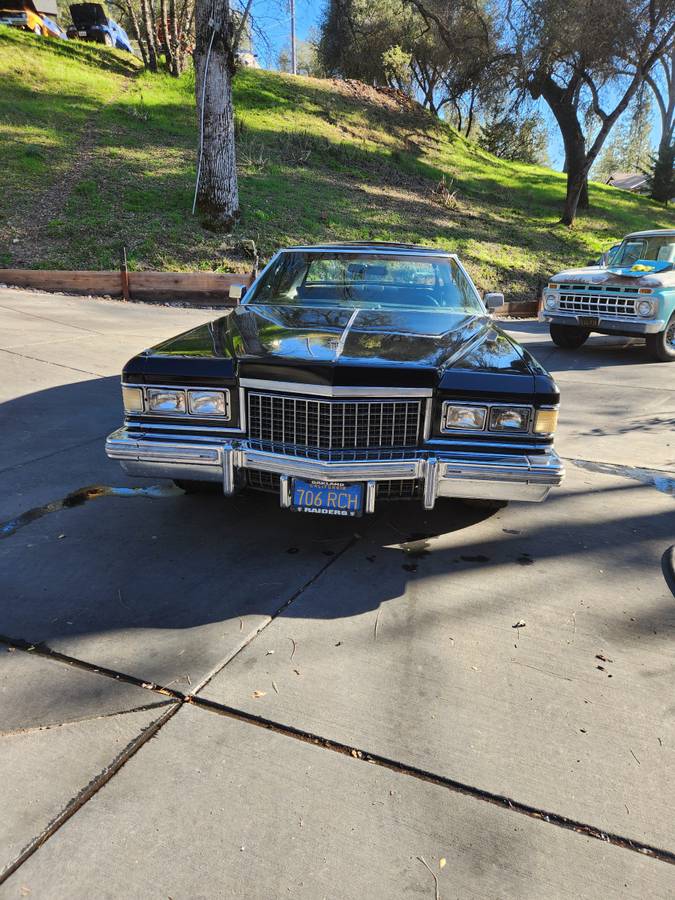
(237, 291)
(493, 300)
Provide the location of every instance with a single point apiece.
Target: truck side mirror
(236, 291)
(493, 300)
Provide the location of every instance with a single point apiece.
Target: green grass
(96, 154)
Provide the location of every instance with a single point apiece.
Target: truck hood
(599, 276)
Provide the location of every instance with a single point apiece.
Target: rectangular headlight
(132, 398)
(545, 421)
(510, 418)
(166, 400)
(209, 403)
(471, 418)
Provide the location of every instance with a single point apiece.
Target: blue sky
(272, 17)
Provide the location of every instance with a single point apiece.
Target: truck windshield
(372, 280)
(660, 247)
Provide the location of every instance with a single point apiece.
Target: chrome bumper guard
(622, 324)
(487, 476)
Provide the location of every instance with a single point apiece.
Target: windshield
(366, 280)
(660, 248)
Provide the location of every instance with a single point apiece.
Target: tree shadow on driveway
(166, 586)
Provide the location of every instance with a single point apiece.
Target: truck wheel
(569, 337)
(662, 345)
(196, 487)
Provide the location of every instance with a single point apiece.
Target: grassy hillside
(95, 154)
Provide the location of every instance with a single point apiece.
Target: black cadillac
(348, 374)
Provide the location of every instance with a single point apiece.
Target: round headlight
(645, 308)
(550, 301)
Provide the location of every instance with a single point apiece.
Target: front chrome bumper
(487, 476)
(618, 324)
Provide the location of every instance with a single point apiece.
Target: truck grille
(333, 424)
(598, 306)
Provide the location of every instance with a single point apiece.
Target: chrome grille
(263, 481)
(398, 489)
(598, 306)
(333, 424)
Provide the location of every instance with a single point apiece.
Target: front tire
(568, 337)
(107, 40)
(661, 346)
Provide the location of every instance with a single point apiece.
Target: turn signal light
(545, 421)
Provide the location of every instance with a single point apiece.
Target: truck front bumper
(487, 476)
(606, 324)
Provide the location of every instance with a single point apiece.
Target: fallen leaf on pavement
(519, 624)
(257, 694)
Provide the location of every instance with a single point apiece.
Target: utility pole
(294, 58)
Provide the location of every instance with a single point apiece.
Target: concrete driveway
(211, 698)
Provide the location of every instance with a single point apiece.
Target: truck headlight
(166, 400)
(510, 418)
(645, 308)
(132, 398)
(209, 403)
(545, 421)
(470, 418)
(550, 301)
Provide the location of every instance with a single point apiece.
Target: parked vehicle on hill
(31, 16)
(350, 374)
(630, 292)
(92, 22)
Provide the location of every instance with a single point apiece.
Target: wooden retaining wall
(196, 288)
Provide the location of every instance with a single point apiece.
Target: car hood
(600, 276)
(342, 346)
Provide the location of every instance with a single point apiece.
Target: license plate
(82, 33)
(327, 498)
(589, 321)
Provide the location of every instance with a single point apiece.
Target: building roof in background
(47, 8)
(627, 181)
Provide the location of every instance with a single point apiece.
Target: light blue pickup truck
(631, 292)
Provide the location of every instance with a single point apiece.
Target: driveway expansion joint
(459, 787)
(17, 732)
(88, 791)
(48, 362)
(41, 649)
(294, 596)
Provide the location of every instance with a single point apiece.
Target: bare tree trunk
(469, 124)
(136, 28)
(148, 25)
(217, 193)
(176, 55)
(164, 32)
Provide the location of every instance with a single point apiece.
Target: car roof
(371, 247)
(656, 232)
